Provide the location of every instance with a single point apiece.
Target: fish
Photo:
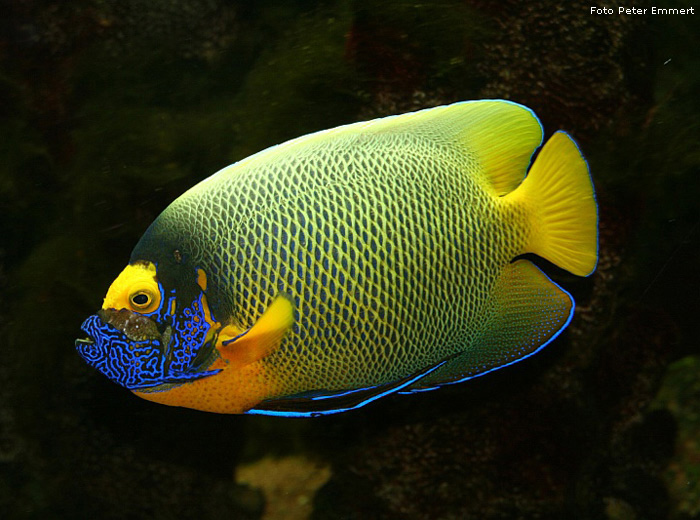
(391, 256)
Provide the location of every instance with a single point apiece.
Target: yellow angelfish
(342, 266)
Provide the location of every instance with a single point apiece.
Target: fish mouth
(90, 347)
(90, 338)
(84, 342)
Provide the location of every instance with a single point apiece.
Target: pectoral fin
(261, 339)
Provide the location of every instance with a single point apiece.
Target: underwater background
(110, 109)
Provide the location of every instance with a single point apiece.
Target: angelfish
(349, 264)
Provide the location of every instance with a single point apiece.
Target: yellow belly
(233, 390)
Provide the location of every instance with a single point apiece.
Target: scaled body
(359, 261)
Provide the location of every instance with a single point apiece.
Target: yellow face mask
(135, 289)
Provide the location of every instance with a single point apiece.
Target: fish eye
(141, 300)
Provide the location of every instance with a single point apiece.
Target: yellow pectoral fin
(261, 339)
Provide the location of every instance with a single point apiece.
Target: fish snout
(127, 362)
(90, 348)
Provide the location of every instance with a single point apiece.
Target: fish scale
(434, 198)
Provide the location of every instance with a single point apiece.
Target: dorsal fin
(503, 135)
(500, 135)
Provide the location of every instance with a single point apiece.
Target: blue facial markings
(190, 329)
(133, 364)
(138, 351)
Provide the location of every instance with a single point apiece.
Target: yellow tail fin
(559, 196)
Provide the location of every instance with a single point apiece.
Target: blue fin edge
(554, 336)
(390, 390)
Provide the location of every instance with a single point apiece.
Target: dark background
(111, 109)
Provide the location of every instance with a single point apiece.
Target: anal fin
(526, 312)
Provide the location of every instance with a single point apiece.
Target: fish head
(147, 336)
